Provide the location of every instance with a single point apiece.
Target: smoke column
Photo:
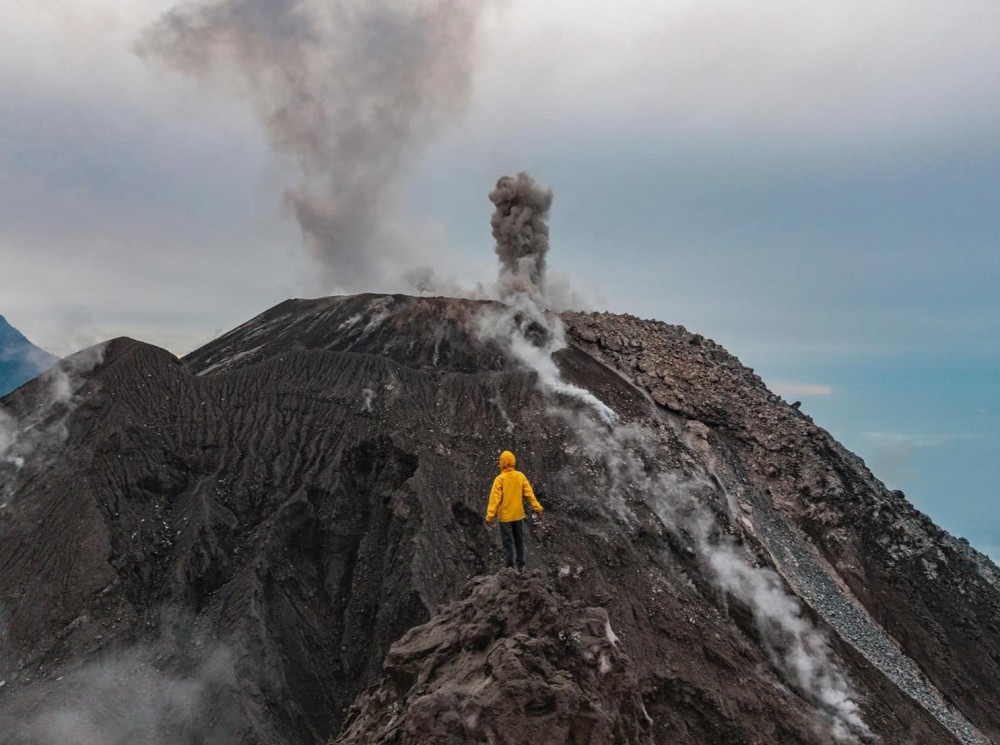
(521, 230)
(350, 90)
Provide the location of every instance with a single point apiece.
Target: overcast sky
(815, 186)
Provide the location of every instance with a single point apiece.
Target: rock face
(935, 596)
(234, 547)
(20, 360)
(511, 662)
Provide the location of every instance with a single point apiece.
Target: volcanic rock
(226, 548)
(511, 662)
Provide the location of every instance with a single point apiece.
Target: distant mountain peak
(9, 332)
(20, 360)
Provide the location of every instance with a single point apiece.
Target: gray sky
(815, 186)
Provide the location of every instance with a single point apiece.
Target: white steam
(795, 646)
(124, 698)
(9, 429)
(39, 433)
(512, 327)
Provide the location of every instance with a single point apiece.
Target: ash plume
(349, 90)
(521, 230)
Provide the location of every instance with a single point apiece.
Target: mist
(37, 433)
(125, 696)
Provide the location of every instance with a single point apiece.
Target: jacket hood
(507, 460)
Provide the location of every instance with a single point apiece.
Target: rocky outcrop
(512, 662)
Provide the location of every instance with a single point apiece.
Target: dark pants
(512, 535)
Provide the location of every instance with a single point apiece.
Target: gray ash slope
(226, 549)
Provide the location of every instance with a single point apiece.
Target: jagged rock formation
(20, 360)
(228, 546)
(511, 651)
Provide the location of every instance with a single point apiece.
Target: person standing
(506, 503)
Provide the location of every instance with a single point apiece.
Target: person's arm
(530, 494)
(495, 494)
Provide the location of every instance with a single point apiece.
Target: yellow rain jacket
(509, 490)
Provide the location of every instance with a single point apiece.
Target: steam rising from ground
(40, 431)
(350, 90)
(530, 337)
(795, 646)
(123, 697)
(521, 230)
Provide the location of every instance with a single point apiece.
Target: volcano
(20, 360)
(279, 539)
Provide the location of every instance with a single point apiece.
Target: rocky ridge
(511, 651)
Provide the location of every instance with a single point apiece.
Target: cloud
(132, 201)
(892, 459)
(843, 72)
(907, 440)
(787, 390)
